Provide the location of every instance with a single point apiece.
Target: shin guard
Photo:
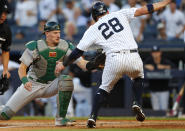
(65, 89)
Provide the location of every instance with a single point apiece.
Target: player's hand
(28, 86)
(162, 67)
(59, 67)
(149, 67)
(6, 73)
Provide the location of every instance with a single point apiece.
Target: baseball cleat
(91, 123)
(64, 122)
(140, 116)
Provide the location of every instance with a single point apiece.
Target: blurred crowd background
(161, 30)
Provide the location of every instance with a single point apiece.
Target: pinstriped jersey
(111, 32)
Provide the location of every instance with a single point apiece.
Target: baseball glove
(4, 84)
(97, 62)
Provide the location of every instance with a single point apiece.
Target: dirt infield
(81, 124)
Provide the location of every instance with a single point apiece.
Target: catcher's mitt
(4, 84)
(97, 62)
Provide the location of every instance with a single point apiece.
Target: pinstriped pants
(119, 64)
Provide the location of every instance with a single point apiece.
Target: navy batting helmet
(50, 26)
(98, 9)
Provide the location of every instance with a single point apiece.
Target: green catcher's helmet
(50, 26)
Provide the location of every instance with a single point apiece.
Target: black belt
(39, 80)
(131, 51)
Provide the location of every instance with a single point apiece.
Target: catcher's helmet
(4, 7)
(98, 9)
(50, 26)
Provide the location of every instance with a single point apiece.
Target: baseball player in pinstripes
(41, 81)
(112, 32)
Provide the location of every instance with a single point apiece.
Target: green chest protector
(45, 59)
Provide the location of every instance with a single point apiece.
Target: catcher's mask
(51, 26)
(98, 9)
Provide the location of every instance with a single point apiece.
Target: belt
(127, 51)
(39, 80)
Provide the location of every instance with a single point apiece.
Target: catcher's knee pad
(65, 83)
(5, 113)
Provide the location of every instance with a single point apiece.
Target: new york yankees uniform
(113, 34)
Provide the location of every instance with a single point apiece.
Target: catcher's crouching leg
(6, 113)
(65, 89)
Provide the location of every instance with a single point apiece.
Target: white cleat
(91, 123)
(140, 116)
(64, 122)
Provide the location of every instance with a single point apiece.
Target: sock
(99, 99)
(137, 89)
(64, 98)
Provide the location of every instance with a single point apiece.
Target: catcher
(5, 42)
(41, 81)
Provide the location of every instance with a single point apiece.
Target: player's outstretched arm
(150, 8)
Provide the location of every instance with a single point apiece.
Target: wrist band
(150, 8)
(24, 80)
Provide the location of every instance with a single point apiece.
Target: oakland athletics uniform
(113, 34)
(41, 74)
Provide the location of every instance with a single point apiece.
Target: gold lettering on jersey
(52, 54)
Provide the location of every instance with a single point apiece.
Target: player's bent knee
(65, 83)
(6, 113)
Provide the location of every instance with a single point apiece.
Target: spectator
(174, 22)
(47, 10)
(161, 31)
(26, 13)
(41, 26)
(80, 20)
(69, 10)
(157, 16)
(159, 87)
(70, 31)
(12, 4)
(111, 6)
(86, 5)
(182, 7)
(138, 24)
(19, 35)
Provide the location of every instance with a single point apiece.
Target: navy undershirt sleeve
(73, 56)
